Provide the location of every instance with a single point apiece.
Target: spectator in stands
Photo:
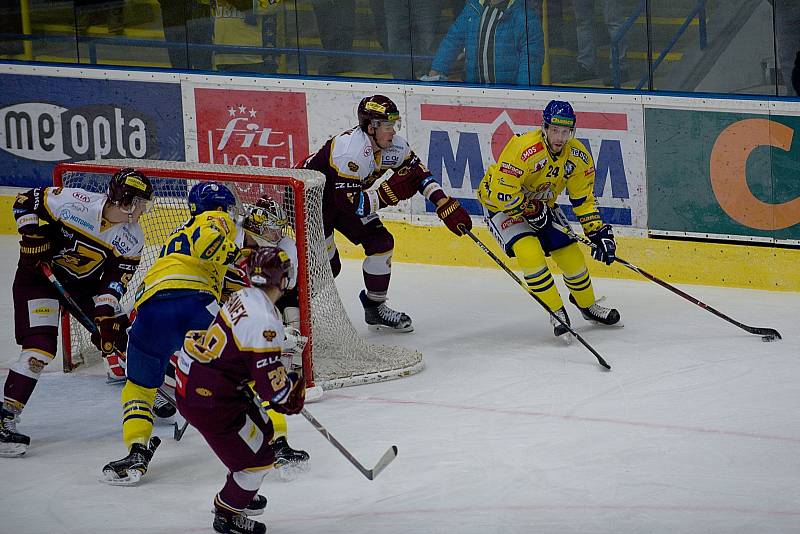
(411, 31)
(614, 17)
(336, 24)
(237, 22)
(787, 39)
(503, 42)
(188, 22)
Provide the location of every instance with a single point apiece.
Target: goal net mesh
(336, 355)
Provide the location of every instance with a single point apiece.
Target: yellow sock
(540, 282)
(278, 423)
(576, 276)
(137, 413)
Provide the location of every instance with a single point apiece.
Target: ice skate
(598, 314)
(162, 408)
(560, 330)
(232, 523)
(379, 315)
(12, 443)
(289, 462)
(128, 471)
(256, 506)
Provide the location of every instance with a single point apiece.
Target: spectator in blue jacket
(503, 42)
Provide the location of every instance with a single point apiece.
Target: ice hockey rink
(506, 430)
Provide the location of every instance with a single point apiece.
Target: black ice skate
(162, 408)
(559, 329)
(233, 523)
(256, 506)
(597, 313)
(379, 315)
(12, 443)
(289, 462)
(129, 470)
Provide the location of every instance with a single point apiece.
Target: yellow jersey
(196, 256)
(526, 170)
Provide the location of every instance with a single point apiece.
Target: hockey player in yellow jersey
(519, 194)
(179, 293)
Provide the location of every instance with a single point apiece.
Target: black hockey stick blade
(387, 458)
(180, 430)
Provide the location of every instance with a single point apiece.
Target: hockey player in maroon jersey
(352, 162)
(220, 368)
(93, 242)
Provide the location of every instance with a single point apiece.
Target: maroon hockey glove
(34, 249)
(404, 183)
(292, 401)
(112, 333)
(454, 216)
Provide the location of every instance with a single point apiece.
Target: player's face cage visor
(388, 125)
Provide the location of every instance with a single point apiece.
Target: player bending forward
(266, 223)
(217, 369)
(93, 242)
(352, 162)
(519, 197)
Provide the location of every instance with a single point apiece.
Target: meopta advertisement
(45, 120)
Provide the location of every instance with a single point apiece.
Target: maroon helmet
(127, 184)
(269, 267)
(376, 108)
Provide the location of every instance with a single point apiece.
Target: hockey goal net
(335, 356)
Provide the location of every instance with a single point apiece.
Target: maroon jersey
(350, 166)
(243, 345)
(90, 255)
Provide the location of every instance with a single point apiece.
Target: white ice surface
(506, 430)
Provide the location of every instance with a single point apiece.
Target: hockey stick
(524, 286)
(89, 325)
(767, 334)
(385, 460)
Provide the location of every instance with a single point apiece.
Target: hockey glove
(605, 249)
(290, 399)
(454, 216)
(34, 249)
(538, 215)
(112, 333)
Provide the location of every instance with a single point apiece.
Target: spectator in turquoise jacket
(503, 42)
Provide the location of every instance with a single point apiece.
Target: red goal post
(336, 355)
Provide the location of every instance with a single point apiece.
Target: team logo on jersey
(81, 196)
(269, 335)
(352, 166)
(81, 260)
(569, 168)
(511, 169)
(531, 150)
(203, 392)
(35, 365)
(539, 165)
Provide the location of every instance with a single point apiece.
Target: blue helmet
(207, 196)
(558, 113)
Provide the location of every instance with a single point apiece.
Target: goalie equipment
(228, 522)
(266, 219)
(12, 443)
(597, 313)
(379, 315)
(129, 471)
(289, 462)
